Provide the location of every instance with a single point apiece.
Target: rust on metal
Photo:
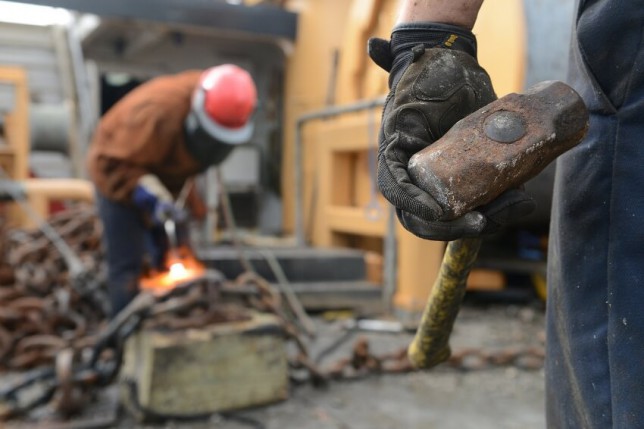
(51, 329)
(500, 147)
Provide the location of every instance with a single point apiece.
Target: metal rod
(229, 218)
(183, 195)
(298, 155)
(286, 289)
(212, 205)
(170, 228)
(390, 252)
(74, 263)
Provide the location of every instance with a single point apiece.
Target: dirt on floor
(496, 397)
(470, 395)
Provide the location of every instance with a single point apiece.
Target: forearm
(457, 12)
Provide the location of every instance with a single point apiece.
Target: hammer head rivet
(504, 126)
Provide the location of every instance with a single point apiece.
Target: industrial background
(306, 213)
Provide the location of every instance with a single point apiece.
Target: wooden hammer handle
(431, 343)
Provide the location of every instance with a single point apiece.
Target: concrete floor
(495, 399)
(444, 398)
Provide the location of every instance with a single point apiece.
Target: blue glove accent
(144, 199)
(158, 210)
(163, 211)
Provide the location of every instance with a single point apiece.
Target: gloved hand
(154, 200)
(434, 81)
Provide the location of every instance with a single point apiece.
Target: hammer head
(499, 147)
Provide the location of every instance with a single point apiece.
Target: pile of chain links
(62, 337)
(40, 312)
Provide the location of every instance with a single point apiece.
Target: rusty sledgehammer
(497, 148)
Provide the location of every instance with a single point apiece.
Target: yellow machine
(338, 204)
(14, 155)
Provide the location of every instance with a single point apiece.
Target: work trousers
(595, 308)
(127, 242)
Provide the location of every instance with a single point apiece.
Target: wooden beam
(353, 59)
(354, 220)
(502, 46)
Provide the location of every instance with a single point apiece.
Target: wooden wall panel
(321, 29)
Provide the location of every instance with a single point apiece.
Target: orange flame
(182, 267)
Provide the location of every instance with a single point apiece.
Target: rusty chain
(362, 362)
(41, 313)
(60, 336)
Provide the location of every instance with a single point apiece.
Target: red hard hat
(224, 101)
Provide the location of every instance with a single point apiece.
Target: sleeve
(116, 179)
(196, 204)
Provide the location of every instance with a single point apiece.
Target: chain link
(59, 336)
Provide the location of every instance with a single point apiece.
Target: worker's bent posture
(146, 147)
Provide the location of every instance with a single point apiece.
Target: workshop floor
(444, 398)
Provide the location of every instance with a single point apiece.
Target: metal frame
(390, 251)
(298, 156)
(263, 20)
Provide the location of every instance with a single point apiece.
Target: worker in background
(595, 323)
(147, 146)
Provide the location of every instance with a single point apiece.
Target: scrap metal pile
(54, 329)
(40, 312)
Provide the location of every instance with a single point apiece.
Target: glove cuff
(395, 55)
(405, 37)
(432, 35)
(149, 192)
(154, 186)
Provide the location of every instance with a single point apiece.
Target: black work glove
(434, 82)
